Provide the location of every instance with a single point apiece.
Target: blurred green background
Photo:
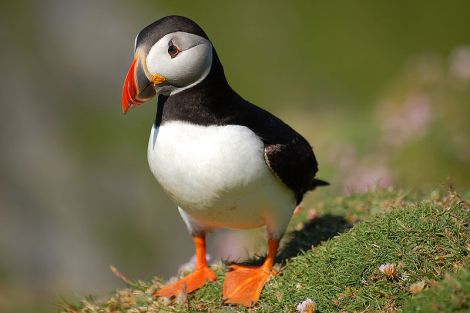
(380, 89)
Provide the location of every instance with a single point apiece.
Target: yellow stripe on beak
(158, 79)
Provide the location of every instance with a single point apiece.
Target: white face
(183, 59)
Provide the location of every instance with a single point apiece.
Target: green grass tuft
(423, 240)
(452, 294)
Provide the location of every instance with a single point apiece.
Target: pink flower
(459, 63)
(405, 122)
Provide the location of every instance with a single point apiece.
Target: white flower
(306, 306)
(404, 276)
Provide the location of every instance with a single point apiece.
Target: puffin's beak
(137, 87)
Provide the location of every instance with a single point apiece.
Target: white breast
(218, 175)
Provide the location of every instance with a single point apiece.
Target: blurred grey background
(380, 89)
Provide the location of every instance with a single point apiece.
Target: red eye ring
(173, 50)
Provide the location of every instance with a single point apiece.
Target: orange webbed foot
(187, 284)
(243, 284)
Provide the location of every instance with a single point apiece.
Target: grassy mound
(396, 252)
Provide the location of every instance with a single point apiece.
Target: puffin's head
(171, 54)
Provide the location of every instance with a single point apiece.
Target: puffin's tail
(318, 183)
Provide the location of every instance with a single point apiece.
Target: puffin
(225, 162)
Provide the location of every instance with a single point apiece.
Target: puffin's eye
(172, 50)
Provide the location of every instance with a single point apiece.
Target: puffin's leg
(201, 275)
(243, 284)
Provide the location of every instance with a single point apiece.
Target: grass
(425, 239)
(450, 295)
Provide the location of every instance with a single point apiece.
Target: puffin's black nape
(168, 24)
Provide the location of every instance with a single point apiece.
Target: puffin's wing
(287, 154)
(294, 163)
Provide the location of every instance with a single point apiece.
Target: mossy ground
(334, 260)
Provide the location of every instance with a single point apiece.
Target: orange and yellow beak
(137, 87)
